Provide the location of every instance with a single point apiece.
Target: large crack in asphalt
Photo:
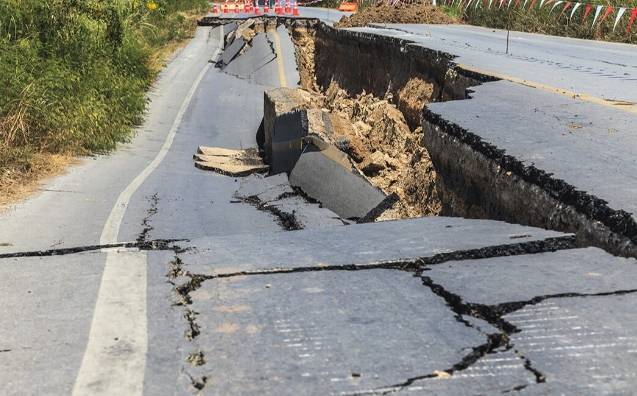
(155, 244)
(501, 341)
(413, 265)
(255, 69)
(192, 282)
(286, 220)
(182, 292)
(152, 210)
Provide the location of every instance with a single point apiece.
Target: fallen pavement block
(337, 187)
(274, 194)
(306, 214)
(286, 141)
(229, 162)
(251, 61)
(277, 102)
(231, 52)
(229, 32)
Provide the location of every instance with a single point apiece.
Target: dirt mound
(406, 13)
(387, 151)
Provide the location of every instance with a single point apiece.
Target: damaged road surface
(283, 225)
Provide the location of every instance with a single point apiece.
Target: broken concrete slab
(229, 162)
(231, 52)
(240, 31)
(253, 59)
(307, 215)
(366, 244)
(501, 280)
(326, 331)
(582, 346)
(337, 187)
(264, 188)
(286, 141)
(228, 30)
(277, 102)
(274, 194)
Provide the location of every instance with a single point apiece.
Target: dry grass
(16, 186)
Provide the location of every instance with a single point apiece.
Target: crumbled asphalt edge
(618, 221)
(152, 210)
(288, 221)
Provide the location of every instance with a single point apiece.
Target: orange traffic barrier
(348, 6)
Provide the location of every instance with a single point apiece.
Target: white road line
(115, 357)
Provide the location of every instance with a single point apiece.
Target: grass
(556, 23)
(74, 76)
(536, 20)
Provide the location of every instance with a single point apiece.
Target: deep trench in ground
(375, 95)
(376, 90)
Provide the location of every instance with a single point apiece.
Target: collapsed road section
(325, 305)
(447, 140)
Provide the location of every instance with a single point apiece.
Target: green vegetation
(73, 73)
(557, 22)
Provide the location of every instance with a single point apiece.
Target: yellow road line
(279, 58)
(629, 107)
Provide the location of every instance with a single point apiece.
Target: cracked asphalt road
(203, 293)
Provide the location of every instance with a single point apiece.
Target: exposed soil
(375, 133)
(387, 151)
(407, 13)
(304, 43)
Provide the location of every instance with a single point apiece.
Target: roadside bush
(73, 73)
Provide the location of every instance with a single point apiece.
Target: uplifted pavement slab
(592, 67)
(501, 280)
(371, 244)
(589, 146)
(330, 332)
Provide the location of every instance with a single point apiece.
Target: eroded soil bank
(379, 97)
